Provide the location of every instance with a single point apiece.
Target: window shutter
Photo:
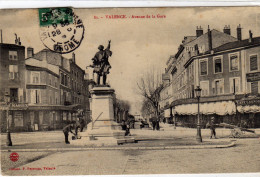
(20, 95)
(254, 87)
(203, 68)
(33, 96)
(253, 63)
(233, 62)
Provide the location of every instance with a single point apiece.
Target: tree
(146, 109)
(121, 109)
(149, 87)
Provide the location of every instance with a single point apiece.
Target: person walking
(82, 124)
(77, 127)
(157, 124)
(154, 124)
(66, 131)
(212, 127)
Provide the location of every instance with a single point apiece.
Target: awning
(167, 113)
(220, 108)
(248, 109)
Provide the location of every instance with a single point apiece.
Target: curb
(232, 144)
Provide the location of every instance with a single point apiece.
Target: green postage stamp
(50, 16)
(61, 30)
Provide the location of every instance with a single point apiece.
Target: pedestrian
(77, 126)
(82, 124)
(127, 131)
(164, 120)
(123, 125)
(212, 127)
(157, 124)
(66, 131)
(154, 124)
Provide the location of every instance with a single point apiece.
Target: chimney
(30, 52)
(19, 41)
(227, 30)
(250, 36)
(209, 39)
(73, 58)
(239, 33)
(199, 31)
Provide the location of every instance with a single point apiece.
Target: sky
(138, 45)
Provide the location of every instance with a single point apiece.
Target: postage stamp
(61, 30)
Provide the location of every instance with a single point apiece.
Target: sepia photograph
(130, 91)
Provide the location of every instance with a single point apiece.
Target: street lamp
(197, 95)
(8, 133)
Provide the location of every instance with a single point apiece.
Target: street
(242, 158)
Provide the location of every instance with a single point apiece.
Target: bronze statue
(101, 64)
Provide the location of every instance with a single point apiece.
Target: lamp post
(198, 94)
(8, 133)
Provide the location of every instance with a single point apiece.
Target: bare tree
(150, 86)
(121, 109)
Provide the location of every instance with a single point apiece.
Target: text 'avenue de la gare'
(131, 16)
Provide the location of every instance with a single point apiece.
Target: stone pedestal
(103, 130)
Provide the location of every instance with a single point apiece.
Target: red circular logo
(14, 156)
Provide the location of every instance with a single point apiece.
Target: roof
(11, 45)
(236, 44)
(228, 46)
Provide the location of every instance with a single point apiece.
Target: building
(179, 80)
(55, 103)
(79, 87)
(12, 88)
(229, 78)
(77, 80)
(42, 92)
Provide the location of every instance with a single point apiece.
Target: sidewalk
(147, 138)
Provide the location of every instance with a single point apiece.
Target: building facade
(37, 92)
(228, 77)
(181, 79)
(43, 94)
(12, 88)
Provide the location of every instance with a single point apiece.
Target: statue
(101, 64)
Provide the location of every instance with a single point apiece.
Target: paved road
(55, 139)
(245, 157)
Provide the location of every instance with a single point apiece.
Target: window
(234, 64)
(218, 65)
(204, 85)
(62, 78)
(203, 67)
(13, 55)
(253, 63)
(13, 71)
(218, 86)
(55, 82)
(50, 99)
(35, 77)
(50, 79)
(35, 96)
(254, 87)
(56, 97)
(234, 85)
(66, 80)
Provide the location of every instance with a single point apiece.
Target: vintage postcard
(117, 91)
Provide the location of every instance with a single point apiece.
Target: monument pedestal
(103, 130)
